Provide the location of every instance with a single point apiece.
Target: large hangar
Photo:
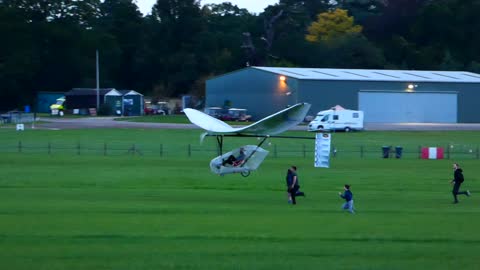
(391, 96)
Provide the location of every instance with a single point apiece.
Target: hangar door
(401, 107)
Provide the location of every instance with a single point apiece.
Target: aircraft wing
(271, 125)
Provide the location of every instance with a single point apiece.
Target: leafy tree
(354, 51)
(450, 63)
(394, 18)
(310, 8)
(289, 30)
(362, 10)
(18, 59)
(449, 26)
(47, 47)
(176, 26)
(81, 12)
(331, 25)
(279, 32)
(473, 67)
(335, 41)
(221, 42)
(180, 19)
(122, 20)
(50, 45)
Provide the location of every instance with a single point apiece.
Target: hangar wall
(326, 94)
(408, 107)
(260, 92)
(263, 93)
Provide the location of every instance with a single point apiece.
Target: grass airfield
(120, 211)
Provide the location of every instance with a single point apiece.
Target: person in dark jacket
(348, 196)
(457, 182)
(293, 185)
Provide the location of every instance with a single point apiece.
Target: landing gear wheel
(347, 129)
(245, 174)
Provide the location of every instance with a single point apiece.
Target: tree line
(50, 45)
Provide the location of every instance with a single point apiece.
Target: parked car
(161, 108)
(233, 114)
(239, 115)
(59, 107)
(216, 112)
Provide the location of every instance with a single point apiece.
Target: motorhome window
(355, 115)
(335, 117)
(325, 118)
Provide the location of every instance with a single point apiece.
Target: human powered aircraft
(268, 127)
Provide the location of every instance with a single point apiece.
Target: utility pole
(98, 81)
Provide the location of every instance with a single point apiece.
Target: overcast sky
(255, 6)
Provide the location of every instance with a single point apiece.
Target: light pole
(98, 79)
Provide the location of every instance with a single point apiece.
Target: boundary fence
(16, 118)
(191, 150)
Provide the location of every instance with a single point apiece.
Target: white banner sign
(322, 150)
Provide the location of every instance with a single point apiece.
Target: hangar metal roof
(374, 75)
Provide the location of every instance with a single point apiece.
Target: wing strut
(253, 152)
(220, 144)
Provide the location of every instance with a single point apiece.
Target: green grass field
(89, 211)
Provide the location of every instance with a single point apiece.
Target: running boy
(348, 196)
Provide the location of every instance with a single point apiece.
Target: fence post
(134, 149)
(304, 148)
(189, 150)
(161, 150)
(78, 148)
(19, 146)
(361, 151)
(419, 152)
(49, 148)
(448, 151)
(275, 154)
(104, 148)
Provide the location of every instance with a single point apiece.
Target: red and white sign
(432, 152)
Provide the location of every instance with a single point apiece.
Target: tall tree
(80, 12)
(394, 18)
(221, 42)
(450, 28)
(331, 25)
(340, 44)
(362, 10)
(56, 54)
(123, 21)
(310, 8)
(18, 59)
(180, 25)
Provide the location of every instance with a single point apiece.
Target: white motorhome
(337, 118)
